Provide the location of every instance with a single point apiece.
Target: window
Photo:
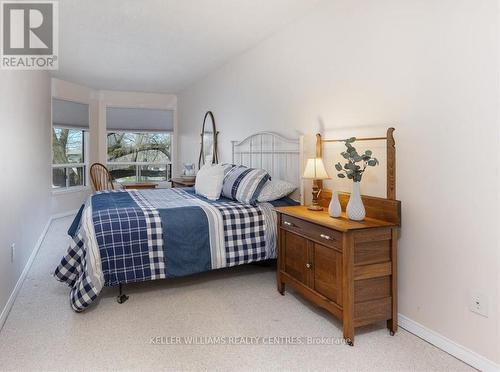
(139, 143)
(139, 156)
(68, 157)
(69, 132)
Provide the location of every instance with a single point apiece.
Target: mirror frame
(215, 159)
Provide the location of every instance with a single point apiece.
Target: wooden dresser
(139, 185)
(182, 182)
(344, 266)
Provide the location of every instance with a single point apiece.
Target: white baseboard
(22, 277)
(451, 347)
(13, 295)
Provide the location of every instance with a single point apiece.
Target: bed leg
(121, 298)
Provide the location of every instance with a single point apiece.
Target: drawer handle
(286, 223)
(308, 265)
(326, 237)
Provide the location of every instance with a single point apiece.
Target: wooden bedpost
(319, 154)
(319, 147)
(391, 165)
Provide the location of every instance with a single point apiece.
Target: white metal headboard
(281, 157)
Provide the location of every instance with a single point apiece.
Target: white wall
(430, 68)
(69, 200)
(25, 170)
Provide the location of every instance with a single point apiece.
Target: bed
(127, 236)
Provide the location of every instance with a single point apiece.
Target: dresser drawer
(325, 236)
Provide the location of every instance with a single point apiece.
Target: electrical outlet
(12, 252)
(479, 304)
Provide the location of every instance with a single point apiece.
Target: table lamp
(315, 170)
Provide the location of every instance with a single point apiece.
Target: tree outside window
(139, 157)
(68, 157)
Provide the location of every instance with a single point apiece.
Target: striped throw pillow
(244, 184)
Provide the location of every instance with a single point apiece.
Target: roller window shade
(139, 119)
(69, 114)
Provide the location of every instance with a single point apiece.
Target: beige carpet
(43, 333)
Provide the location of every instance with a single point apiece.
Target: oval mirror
(208, 150)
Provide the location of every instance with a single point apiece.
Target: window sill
(70, 190)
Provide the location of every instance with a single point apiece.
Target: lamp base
(314, 203)
(315, 207)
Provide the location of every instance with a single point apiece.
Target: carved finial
(319, 147)
(390, 137)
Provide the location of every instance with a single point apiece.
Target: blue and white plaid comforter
(139, 235)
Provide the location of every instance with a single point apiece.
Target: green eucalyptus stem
(352, 170)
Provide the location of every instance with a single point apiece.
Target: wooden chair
(101, 178)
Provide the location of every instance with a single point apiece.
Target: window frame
(139, 164)
(66, 166)
(85, 151)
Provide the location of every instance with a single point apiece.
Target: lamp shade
(315, 170)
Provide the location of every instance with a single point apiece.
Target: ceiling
(161, 45)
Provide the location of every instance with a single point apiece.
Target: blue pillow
(244, 184)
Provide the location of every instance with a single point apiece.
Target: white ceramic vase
(355, 208)
(334, 209)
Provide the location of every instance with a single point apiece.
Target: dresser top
(184, 181)
(341, 223)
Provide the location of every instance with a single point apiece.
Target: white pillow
(275, 189)
(209, 181)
